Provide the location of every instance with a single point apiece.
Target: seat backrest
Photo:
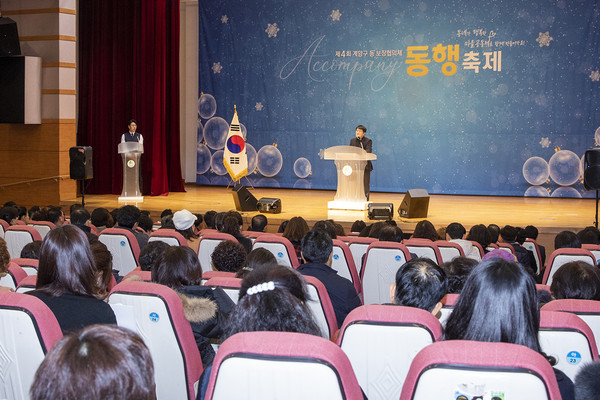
(43, 227)
(531, 245)
(508, 247)
(14, 276)
(568, 339)
(343, 263)
(124, 248)
(321, 307)
(381, 342)
(230, 285)
(560, 257)
(424, 248)
(358, 247)
(594, 249)
(449, 369)
(17, 236)
(448, 303)
(208, 241)
(381, 263)
(29, 265)
(479, 247)
(449, 250)
(169, 236)
(139, 274)
(27, 284)
(29, 330)
(155, 312)
(3, 227)
(280, 247)
(587, 310)
(281, 365)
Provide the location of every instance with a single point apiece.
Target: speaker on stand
(81, 167)
(591, 173)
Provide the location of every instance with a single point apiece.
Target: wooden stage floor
(550, 215)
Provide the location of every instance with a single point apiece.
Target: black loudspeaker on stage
(415, 204)
(9, 38)
(591, 169)
(243, 199)
(81, 167)
(380, 210)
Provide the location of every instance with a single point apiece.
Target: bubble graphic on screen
(581, 162)
(536, 171)
(302, 184)
(202, 159)
(252, 159)
(270, 161)
(597, 135)
(207, 106)
(216, 163)
(215, 133)
(200, 132)
(302, 167)
(564, 167)
(536, 191)
(566, 192)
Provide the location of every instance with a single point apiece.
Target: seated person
(317, 251)
(151, 253)
(294, 231)
(81, 218)
(425, 230)
(98, 362)
(127, 219)
(358, 226)
(531, 232)
(567, 240)
(457, 272)
(32, 250)
(102, 219)
(232, 224)
(258, 224)
(576, 280)
(68, 281)
(455, 233)
(257, 258)
(228, 256)
(420, 283)
(206, 308)
(145, 223)
(480, 234)
(184, 224)
(508, 234)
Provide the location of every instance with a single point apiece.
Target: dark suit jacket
(367, 144)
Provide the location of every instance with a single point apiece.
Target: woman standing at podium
(133, 136)
(366, 144)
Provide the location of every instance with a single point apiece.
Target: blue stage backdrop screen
(459, 97)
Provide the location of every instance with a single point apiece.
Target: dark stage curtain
(129, 68)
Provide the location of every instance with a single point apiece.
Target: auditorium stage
(550, 215)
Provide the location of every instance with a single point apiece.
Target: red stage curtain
(129, 68)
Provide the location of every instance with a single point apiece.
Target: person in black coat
(366, 144)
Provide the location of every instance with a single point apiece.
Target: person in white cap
(184, 224)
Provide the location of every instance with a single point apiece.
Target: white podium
(130, 153)
(350, 163)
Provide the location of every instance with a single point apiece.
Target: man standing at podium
(366, 144)
(133, 136)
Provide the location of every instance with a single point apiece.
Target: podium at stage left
(350, 164)
(131, 152)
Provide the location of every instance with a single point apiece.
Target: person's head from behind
(98, 362)
(494, 231)
(587, 382)
(4, 257)
(357, 226)
(282, 226)
(184, 223)
(255, 259)
(480, 234)
(104, 261)
(326, 226)
(457, 271)
(67, 264)
(420, 283)
(259, 223)
(228, 256)
(209, 219)
(498, 303)
(166, 222)
(128, 216)
(145, 223)
(317, 247)
(231, 225)
(455, 231)
(589, 235)
(150, 253)
(80, 216)
(531, 232)
(425, 230)
(178, 266)
(509, 233)
(576, 280)
(101, 217)
(567, 239)
(56, 216)
(9, 214)
(272, 298)
(391, 233)
(295, 229)
(376, 229)
(32, 250)
(166, 211)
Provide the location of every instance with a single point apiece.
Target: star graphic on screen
(224, 19)
(335, 15)
(595, 76)
(216, 68)
(544, 39)
(545, 142)
(272, 30)
(259, 106)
